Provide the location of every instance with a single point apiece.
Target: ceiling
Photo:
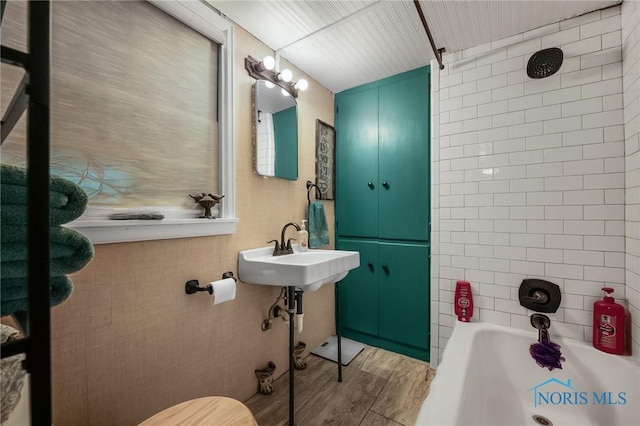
(346, 43)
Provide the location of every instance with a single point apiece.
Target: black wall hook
(193, 286)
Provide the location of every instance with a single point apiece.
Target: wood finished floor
(379, 388)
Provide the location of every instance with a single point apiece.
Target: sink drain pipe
(299, 314)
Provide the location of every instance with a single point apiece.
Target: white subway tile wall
(529, 175)
(630, 37)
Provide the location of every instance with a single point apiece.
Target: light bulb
(268, 62)
(284, 92)
(285, 75)
(302, 84)
(269, 84)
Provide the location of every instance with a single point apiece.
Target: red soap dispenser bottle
(463, 301)
(609, 324)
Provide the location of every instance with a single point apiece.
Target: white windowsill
(178, 223)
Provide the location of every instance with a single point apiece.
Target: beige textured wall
(129, 342)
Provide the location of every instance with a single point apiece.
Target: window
(140, 114)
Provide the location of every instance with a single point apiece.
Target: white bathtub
(487, 377)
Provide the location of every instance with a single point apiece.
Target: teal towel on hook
(318, 228)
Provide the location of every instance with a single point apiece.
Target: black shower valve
(539, 295)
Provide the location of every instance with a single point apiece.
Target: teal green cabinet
(403, 166)
(382, 156)
(385, 301)
(382, 210)
(359, 290)
(404, 294)
(357, 149)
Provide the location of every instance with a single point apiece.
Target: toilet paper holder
(193, 286)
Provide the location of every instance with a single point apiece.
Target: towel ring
(318, 192)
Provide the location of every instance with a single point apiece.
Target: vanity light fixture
(268, 62)
(285, 75)
(264, 70)
(302, 84)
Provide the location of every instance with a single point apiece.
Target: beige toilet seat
(211, 411)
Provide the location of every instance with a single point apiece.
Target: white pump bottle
(303, 237)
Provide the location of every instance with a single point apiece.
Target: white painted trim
(183, 223)
(225, 125)
(178, 223)
(196, 15)
(120, 231)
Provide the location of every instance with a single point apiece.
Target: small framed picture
(325, 159)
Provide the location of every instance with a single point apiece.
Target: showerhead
(544, 63)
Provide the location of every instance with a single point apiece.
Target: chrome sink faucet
(282, 247)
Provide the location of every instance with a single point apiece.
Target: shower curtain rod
(437, 52)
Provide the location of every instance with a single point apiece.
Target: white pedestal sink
(298, 272)
(307, 271)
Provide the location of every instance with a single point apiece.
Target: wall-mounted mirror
(275, 136)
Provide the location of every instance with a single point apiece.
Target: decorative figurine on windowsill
(207, 201)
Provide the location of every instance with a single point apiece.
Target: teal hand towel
(318, 228)
(15, 293)
(70, 251)
(67, 200)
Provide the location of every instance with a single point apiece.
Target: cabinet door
(359, 289)
(357, 164)
(404, 293)
(404, 142)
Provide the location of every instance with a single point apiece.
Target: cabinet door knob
(370, 265)
(385, 184)
(385, 268)
(370, 185)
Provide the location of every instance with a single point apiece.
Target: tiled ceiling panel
(279, 23)
(458, 25)
(382, 41)
(343, 44)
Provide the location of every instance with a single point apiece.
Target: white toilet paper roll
(223, 290)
